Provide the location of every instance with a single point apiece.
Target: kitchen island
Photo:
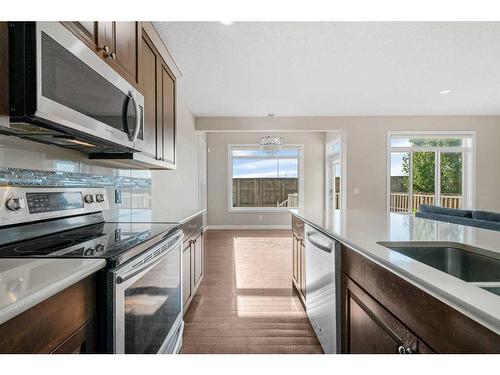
(380, 271)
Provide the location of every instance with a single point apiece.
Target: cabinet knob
(105, 49)
(112, 55)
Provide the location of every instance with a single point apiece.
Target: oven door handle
(150, 263)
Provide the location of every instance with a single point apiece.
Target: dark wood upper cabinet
(168, 113)
(86, 31)
(125, 49)
(118, 43)
(148, 87)
(157, 83)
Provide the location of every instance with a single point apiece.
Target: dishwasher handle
(318, 245)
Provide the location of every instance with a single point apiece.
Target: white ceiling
(335, 68)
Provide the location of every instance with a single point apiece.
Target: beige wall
(366, 142)
(178, 189)
(218, 177)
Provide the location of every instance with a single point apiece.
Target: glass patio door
(423, 179)
(431, 177)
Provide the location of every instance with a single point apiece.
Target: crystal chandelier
(271, 145)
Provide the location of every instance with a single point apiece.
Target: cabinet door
(126, 48)
(186, 273)
(148, 87)
(295, 262)
(105, 37)
(119, 46)
(198, 258)
(168, 115)
(370, 329)
(86, 31)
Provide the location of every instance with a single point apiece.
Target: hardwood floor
(245, 303)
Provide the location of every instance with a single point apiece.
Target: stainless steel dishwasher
(323, 288)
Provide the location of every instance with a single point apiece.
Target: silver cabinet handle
(319, 246)
(192, 226)
(105, 49)
(112, 55)
(403, 350)
(137, 117)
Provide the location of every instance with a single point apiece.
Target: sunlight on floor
(262, 262)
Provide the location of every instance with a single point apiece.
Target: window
(258, 181)
(430, 168)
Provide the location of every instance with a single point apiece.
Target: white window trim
(469, 167)
(229, 159)
(339, 138)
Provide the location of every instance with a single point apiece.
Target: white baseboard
(214, 227)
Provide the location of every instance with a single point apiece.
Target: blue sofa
(479, 219)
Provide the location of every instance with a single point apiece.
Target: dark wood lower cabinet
(82, 341)
(193, 259)
(383, 313)
(370, 328)
(63, 323)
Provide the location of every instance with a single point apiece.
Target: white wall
(366, 142)
(179, 188)
(218, 214)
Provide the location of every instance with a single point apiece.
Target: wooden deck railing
(398, 202)
(291, 201)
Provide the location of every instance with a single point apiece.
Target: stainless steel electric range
(141, 284)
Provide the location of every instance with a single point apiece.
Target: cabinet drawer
(297, 226)
(192, 226)
(50, 323)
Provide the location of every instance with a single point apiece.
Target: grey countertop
(26, 282)
(362, 229)
(153, 215)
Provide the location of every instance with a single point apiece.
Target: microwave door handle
(137, 117)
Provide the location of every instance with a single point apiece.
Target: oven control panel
(23, 204)
(53, 201)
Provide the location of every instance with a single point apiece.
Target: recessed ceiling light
(445, 92)
(226, 23)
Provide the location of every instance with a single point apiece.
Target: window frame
(254, 146)
(469, 160)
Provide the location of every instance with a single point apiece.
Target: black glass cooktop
(115, 242)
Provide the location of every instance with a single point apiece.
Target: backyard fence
(265, 192)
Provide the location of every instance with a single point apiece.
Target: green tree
(424, 167)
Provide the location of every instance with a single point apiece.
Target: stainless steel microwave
(60, 85)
